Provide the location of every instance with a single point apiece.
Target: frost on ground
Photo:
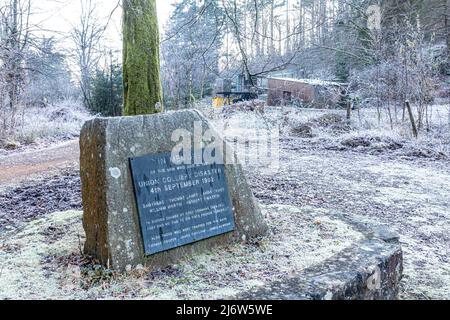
(385, 177)
(410, 198)
(46, 125)
(44, 261)
(326, 165)
(37, 198)
(365, 134)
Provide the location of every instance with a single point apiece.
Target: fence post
(411, 117)
(349, 111)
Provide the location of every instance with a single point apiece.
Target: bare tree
(447, 25)
(86, 36)
(14, 41)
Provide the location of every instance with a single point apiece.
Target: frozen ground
(412, 198)
(43, 260)
(384, 176)
(325, 165)
(43, 127)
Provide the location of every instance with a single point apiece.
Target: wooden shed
(305, 92)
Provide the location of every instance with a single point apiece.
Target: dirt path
(19, 167)
(412, 197)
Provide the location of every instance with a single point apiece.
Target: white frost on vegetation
(51, 123)
(23, 274)
(395, 181)
(299, 238)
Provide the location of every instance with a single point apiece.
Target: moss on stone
(141, 58)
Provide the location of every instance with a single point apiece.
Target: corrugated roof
(314, 82)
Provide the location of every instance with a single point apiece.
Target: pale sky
(58, 16)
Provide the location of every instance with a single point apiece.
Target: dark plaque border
(179, 204)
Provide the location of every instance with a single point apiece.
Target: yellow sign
(219, 102)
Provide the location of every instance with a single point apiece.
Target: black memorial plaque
(180, 204)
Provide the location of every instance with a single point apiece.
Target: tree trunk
(141, 61)
(302, 25)
(323, 21)
(272, 28)
(313, 22)
(288, 28)
(262, 41)
(447, 24)
(13, 61)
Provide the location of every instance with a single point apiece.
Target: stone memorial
(146, 204)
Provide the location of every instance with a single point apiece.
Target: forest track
(17, 168)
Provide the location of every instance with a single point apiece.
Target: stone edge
(372, 269)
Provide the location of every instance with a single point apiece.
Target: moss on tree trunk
(141, 69)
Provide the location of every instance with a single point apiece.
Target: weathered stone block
(111, 219)
(371, 269)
